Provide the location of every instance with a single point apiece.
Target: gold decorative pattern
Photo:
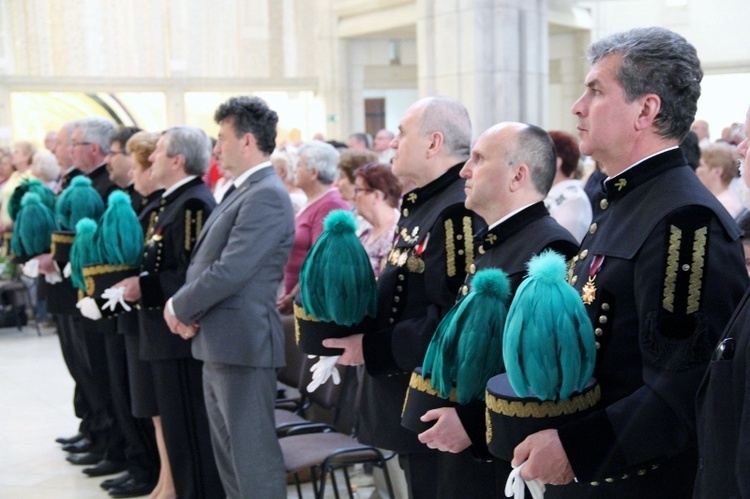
(488, 425)
(92, 270)
(673, 261)
(198, 223)
(546, 409)
(412, 198)
(450, 249)
(300, 315)
(696, 273)
(188, 216)
(571, 268)
(417, 382)
(469, 244)
(621, 184)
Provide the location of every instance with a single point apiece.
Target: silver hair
(451, 119)
(322, 157)
(286, 159)
(97, 131)
(44, 166)
(657, 61)
(536, 149)
(193, 144)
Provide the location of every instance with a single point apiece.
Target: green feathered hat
(46, 196)
(80, 200)
(466, 349)
(33, 227)
(85, 251)
(120, 234)
(337, 283)
(549, 347)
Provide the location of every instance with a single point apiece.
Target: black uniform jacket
(509, 246)
(427, 264)
(165, 261)
(660, 272)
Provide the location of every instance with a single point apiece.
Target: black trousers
(65, 335)
(179, 393)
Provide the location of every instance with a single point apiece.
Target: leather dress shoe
(115, 482)
(88, 458)
(132, 488)
(70, 440)
(105, 467)
(83, 445)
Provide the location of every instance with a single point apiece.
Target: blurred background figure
(718, 167)
(377, 192)
(21, 157)
(284, 161)
(691, 149)
(44, 167)
(382, 146)
(566, 201)
(349, 162)
(700, 129)
(359, 142)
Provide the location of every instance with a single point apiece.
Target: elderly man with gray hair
(317, 168)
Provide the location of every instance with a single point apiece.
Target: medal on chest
(588, 291)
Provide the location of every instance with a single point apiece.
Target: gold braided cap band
(420, 398)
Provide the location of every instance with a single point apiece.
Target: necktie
(226, 194)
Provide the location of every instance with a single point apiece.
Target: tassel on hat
(549, 348)
(80, 200)
(120, 234)
(46, 196)
(85, 251)
(467, 345)
(337, 283)
(33, 228)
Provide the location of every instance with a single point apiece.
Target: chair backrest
(297, 362)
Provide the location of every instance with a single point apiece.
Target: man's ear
(650, 107)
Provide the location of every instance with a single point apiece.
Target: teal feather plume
(549, 348)
(85, 251)
(120, 233)
(46, 196)
(34, 225)
(80, 200)
(337, 283)
(466, 349)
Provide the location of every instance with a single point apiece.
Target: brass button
(686, 267)
(624, 477)
(609, 480)
(399, 288)
(598, 346)
(593, 228)
(472, 269)
(464, 289)
(391, 320)
(605, 307)
(459, 237)
(604, 204)
(394, 309)
(401, 277)
(396, 299)
(584, 254)
(595, 484)
(602, 319)
(405, 212)
(460, 252)
(641, 472)
(574, 280)
(598, 331)
(654, 466)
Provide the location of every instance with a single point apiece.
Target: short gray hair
(286, 160)
(322, 157)
(97, 131)
(657, 61)
(535, 148)
(451, 119)
(193, 144)
(44, 166)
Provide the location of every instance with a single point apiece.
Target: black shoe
(88, 458)
(83, 445)
(69, 440)
(105, 467)
(132, 488)
(115, 482)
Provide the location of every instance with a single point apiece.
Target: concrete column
(489, 54)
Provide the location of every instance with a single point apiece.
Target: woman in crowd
(21, 160)
(377, 192)
(316, 170)
(44, 167)
(283, 161)
(348, 164)
(566, 201)
(717, 169)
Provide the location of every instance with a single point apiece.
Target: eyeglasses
(74, 144)
(115, 153)
(357, 190)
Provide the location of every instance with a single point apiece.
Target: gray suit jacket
(234, 275)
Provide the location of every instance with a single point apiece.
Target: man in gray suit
(228, 302)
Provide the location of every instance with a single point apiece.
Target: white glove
(67, 270)
(31, 268)
(113, 297)
(514, 487)
(89, 309)
(322, 370)
(55, 277)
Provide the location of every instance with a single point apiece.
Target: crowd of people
(179, 393)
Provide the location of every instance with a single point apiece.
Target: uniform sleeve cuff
(151, 293)
(588, 443)
(472, 416)
(378, 354)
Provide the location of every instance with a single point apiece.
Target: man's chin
(744, 190)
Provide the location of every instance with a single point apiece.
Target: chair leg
(348, 481)
(384, 465)
(299, 487)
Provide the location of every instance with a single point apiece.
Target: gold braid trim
(468, 243)
(198, 223)
(696, 273)
(488, 425)
(151, 225)
(188, 217)
(92, 270)
(450, 249)
(546, 409)
(423, 385)
(673, 262)
(300, 315)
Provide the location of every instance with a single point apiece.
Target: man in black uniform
(508, 175)
(431, 254)
(723, 399)
(180, 159)
(660, 272)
